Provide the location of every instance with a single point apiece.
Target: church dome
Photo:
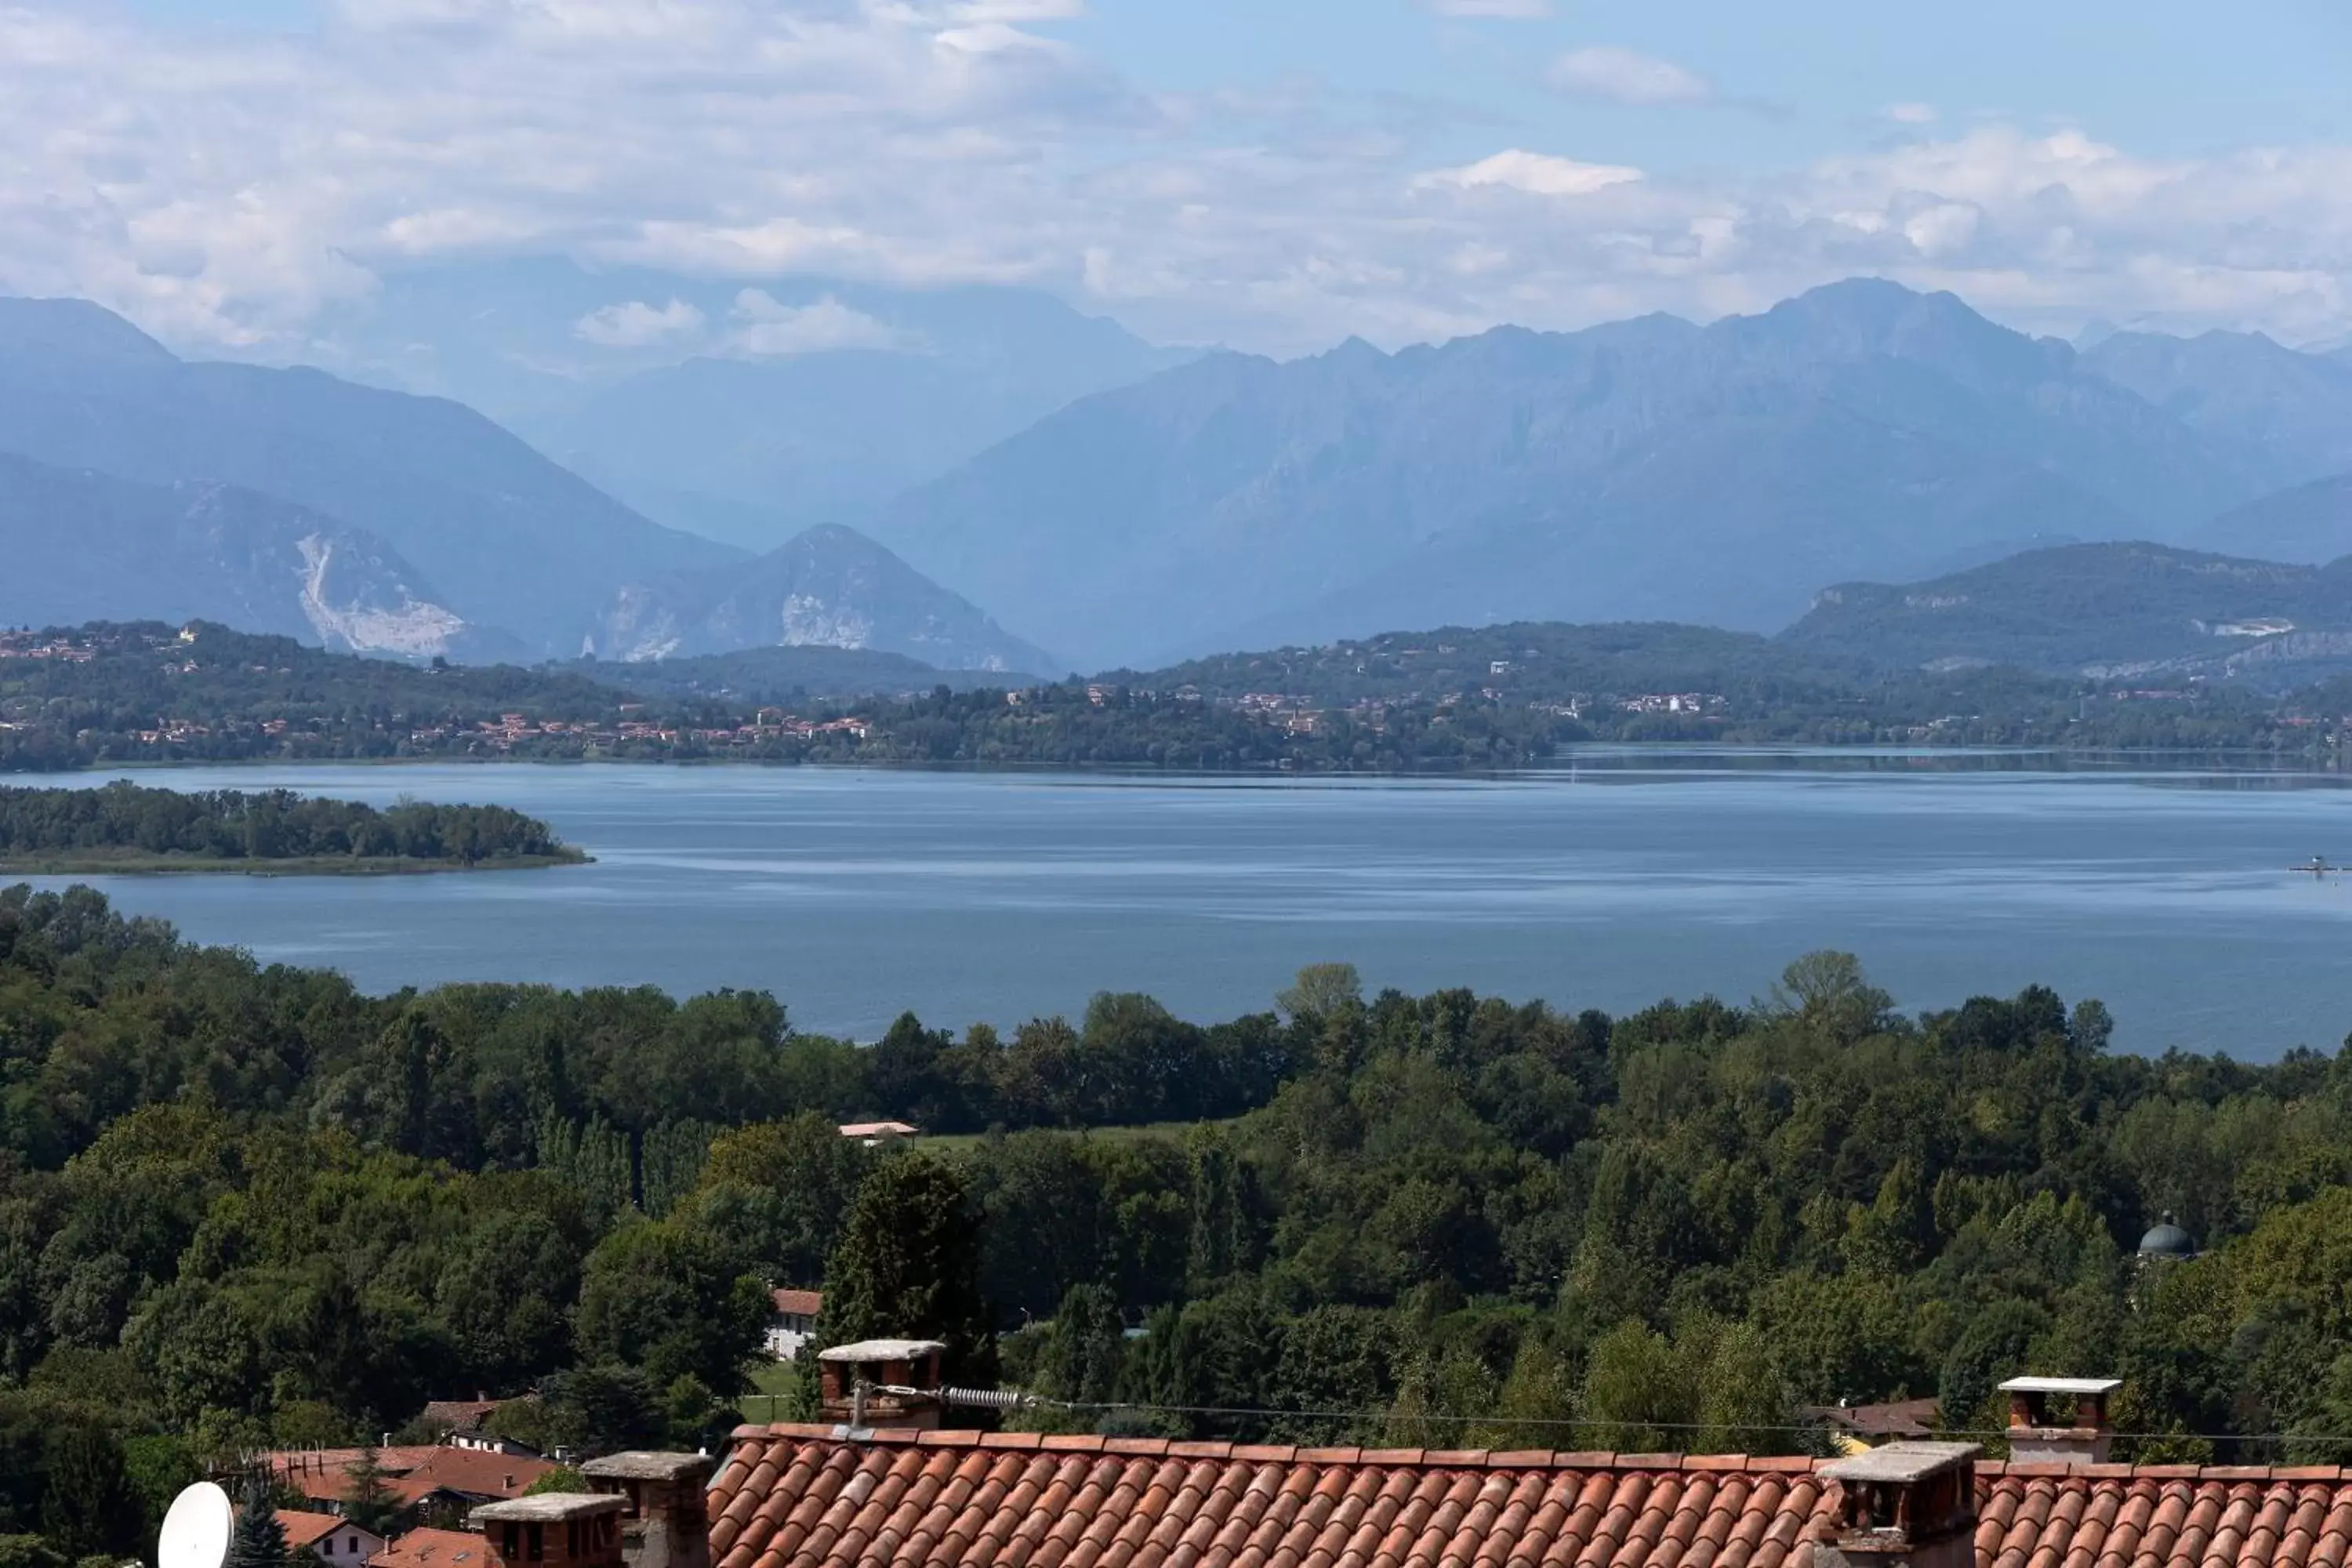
(2167, 1240)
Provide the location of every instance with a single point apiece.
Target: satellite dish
(197, 1529)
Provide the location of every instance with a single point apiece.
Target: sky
(1273, 174)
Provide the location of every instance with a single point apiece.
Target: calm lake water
(1610, 882)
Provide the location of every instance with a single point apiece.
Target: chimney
(2035, 1438)
(1904, 1505)
(882, 1383)
(665, 1523)
(554, 1530)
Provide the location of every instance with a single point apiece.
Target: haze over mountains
(1646, 469)
(494, 548)
(203, 550)
(509, 539)
(747, 414)
(1028, 489)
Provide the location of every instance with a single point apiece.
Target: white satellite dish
(197, 1529)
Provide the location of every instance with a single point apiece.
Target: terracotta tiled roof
(805, 1303)
(411, 1471)
(320, 1473)
(434, 1549)
(796, 1497)
(470, 1472)
(301, 1528)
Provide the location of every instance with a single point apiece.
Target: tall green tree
(258, 1541)
(673, 1301)
(1080, 1360)
(368, 1500)
(910, 1266)
(90, 1508)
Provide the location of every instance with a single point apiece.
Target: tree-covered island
(123, 827)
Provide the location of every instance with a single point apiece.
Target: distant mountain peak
(511, 539)
(1644, 470)
(85, 545)
(828, 587)
(77, 327)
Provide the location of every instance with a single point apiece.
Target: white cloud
(970, 12)
(1537, 174)
(772, 329)
(245, 191)
(637, 325)
(1943, 229)
(1508, 10)
(1912, 113)
(1627, 75)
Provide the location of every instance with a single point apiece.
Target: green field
(773, 1383)
(1167, 1132)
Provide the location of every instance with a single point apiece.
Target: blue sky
(2167, 77)
(1274, 173)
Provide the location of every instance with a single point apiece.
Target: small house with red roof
(329, 1537)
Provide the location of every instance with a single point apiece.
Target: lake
(1609, 881)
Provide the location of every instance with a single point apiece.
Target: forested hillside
(242, 1205)
(2119, 611)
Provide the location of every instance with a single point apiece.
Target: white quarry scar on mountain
(413, 627)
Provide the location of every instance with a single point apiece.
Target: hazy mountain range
(1035, 490)
(409, 501)
(203, 550)
(509, 539)
(1647, 470)
(746, 414)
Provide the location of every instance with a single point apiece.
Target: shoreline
(2062, 757)
(303, 866)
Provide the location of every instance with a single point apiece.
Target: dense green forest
(1486, 697)
(125, 826)
(243, 1205)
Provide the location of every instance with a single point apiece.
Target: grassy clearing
(1165, 1131)
(774, 1384)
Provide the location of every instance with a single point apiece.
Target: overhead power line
(1007, 1400)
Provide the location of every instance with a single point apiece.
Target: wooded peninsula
(123, 827)
(247, 1206)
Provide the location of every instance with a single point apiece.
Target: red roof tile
(801, 1303)
(411, 1471)
(470, 1472)
(797, 1497)
(434, 1549)
(301, 1528)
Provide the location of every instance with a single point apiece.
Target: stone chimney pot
(2035, 1438)
(1905, 1505)
(558, 1529)
(666, 1521)
(881, 1364)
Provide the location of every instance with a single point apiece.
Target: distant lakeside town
(151, 695)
